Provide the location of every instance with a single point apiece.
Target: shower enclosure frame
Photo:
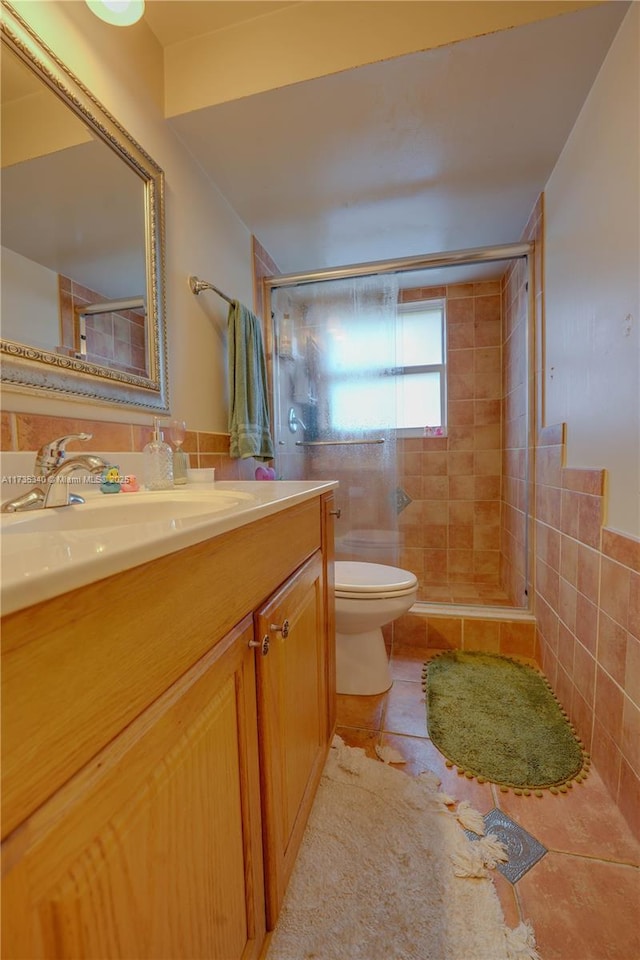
(523, 250)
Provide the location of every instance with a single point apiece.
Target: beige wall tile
(444, 633)
(6, 431)
(625, 550)
(615, 591)
(481, 635)
(517, 639)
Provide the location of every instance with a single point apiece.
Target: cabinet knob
(282, 629)
(263, 644)
(336, 513)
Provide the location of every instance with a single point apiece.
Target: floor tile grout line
(385, 704)
(359, 726)
(593, 858)
(518, 899)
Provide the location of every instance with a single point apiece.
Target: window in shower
(412, 381)
(421, 372)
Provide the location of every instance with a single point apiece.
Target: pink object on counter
(130, 485)
(265, 473)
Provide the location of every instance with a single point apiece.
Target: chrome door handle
(282, 629)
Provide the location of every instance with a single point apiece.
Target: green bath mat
(498, 720)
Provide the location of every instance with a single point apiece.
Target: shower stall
(409, 382)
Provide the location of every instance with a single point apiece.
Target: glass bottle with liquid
(157, 461)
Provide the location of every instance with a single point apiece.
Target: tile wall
(28, 432)
(114, 339)
(459, 631)
(451, 530)
(587, 609)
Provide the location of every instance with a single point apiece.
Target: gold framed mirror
(83, 278)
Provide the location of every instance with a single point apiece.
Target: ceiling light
(120, 13)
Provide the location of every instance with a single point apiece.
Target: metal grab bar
(332, 443)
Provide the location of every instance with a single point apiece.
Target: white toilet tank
(373, 546)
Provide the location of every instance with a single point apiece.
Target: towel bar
(331, 443)
(197, 286)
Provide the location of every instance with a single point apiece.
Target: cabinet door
(329, 555)
(292, 713)
(153, 850)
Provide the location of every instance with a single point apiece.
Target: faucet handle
(53, 453)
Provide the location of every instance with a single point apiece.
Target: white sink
(46, 553)
(174, 508)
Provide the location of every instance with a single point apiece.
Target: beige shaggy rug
(385, 872)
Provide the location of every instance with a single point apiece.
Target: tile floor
(583, 896)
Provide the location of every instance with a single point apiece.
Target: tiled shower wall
(465, 532)
(452, 527)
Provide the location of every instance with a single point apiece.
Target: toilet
(374, 546)
(368, 596)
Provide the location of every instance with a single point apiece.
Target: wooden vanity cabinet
(176, 838)
(328, 505)
(292, 699)
(296, 705)
(153, 850)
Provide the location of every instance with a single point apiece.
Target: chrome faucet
(52, 465)
(52, 454)
(58, 492)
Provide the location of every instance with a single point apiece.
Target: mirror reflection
(72, 231)
(82, 237)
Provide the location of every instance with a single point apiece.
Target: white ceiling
(439, 150)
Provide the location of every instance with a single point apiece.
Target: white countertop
(39, 565)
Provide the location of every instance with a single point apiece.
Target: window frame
(418, 306)
(407, 370)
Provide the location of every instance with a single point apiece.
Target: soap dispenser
(158, 462)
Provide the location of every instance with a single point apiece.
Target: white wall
(29, 302)
(123, 69)
(592, 293)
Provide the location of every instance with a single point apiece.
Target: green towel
(248, 407)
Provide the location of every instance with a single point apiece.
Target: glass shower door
(335, 403)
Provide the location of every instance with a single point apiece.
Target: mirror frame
(30, 370)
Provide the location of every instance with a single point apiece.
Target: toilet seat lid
(360, 578)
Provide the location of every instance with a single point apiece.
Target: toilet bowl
(368, 596)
